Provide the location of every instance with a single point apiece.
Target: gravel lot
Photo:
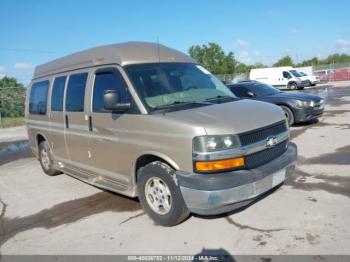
(309, 214)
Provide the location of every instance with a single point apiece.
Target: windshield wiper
(221, 98)
(175, 103)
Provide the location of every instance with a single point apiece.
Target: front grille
(260, 134)
(304, 82)
(262, 157)
(318, 104)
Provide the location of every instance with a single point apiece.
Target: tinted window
(295, 73)
(108, 81)
(38, 98)
(286, 74)
(239, 90)
(57, 93)
(260, 89)
(76, 92)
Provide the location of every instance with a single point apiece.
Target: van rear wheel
(159, 195)
(45, 159)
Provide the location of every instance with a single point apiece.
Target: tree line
(214, 58)
(12, 97)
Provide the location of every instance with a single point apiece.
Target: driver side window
(286, 74)
(109, 79)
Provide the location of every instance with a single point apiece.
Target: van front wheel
(159, 195)
(292, 86)
(45, 159)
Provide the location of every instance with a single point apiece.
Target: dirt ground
(309, 214)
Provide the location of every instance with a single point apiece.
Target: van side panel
(56, 136)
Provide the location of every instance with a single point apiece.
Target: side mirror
(250, 94)
(111, 101)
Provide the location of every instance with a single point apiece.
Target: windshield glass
(302, 74)
(260, 89)
(295, 73)
(171, 84)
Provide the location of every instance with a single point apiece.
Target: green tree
(333, 58)
(12, 97)
(242, 68)
(213, 58)
(259, 65)
(245, 69)
(284, 61)
(310, 62)
(336, 58)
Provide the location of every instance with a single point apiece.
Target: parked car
(297, 107)
(279, 77)
(312, 80)
(146, 121)
(308, 73)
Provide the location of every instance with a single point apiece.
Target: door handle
(90, 124)
(66, 121)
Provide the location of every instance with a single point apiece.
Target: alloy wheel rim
(158, 195)
(45, 159)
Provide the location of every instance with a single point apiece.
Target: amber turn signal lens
(220, 164)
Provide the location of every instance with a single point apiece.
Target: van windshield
(295, 73)
(166, 85)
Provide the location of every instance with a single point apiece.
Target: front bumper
(210, 194)
(302, 84)
(307, 114)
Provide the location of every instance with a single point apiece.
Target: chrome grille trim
(238, 151)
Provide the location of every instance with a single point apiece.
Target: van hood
(230, 118)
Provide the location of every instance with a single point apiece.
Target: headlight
(215, 143)
(305, 104)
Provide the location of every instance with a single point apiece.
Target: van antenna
(158, 49)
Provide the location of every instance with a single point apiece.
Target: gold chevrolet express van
(147, 121)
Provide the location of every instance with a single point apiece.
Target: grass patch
(10, 122)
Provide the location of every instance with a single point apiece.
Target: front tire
(292, 86)
(159, 195)
(289, 115)
(45, 158)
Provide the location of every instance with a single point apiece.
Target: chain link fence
(330, 72)
(333, 72)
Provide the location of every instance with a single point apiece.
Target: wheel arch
(149, 157)
(39, 137)
(286, 105)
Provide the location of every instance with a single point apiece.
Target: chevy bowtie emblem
(271, 141)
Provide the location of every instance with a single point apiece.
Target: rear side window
(57, 93)
(111, 80)
(38, 98)
(239, 90)
(76, 92)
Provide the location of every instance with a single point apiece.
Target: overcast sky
(36, 31)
